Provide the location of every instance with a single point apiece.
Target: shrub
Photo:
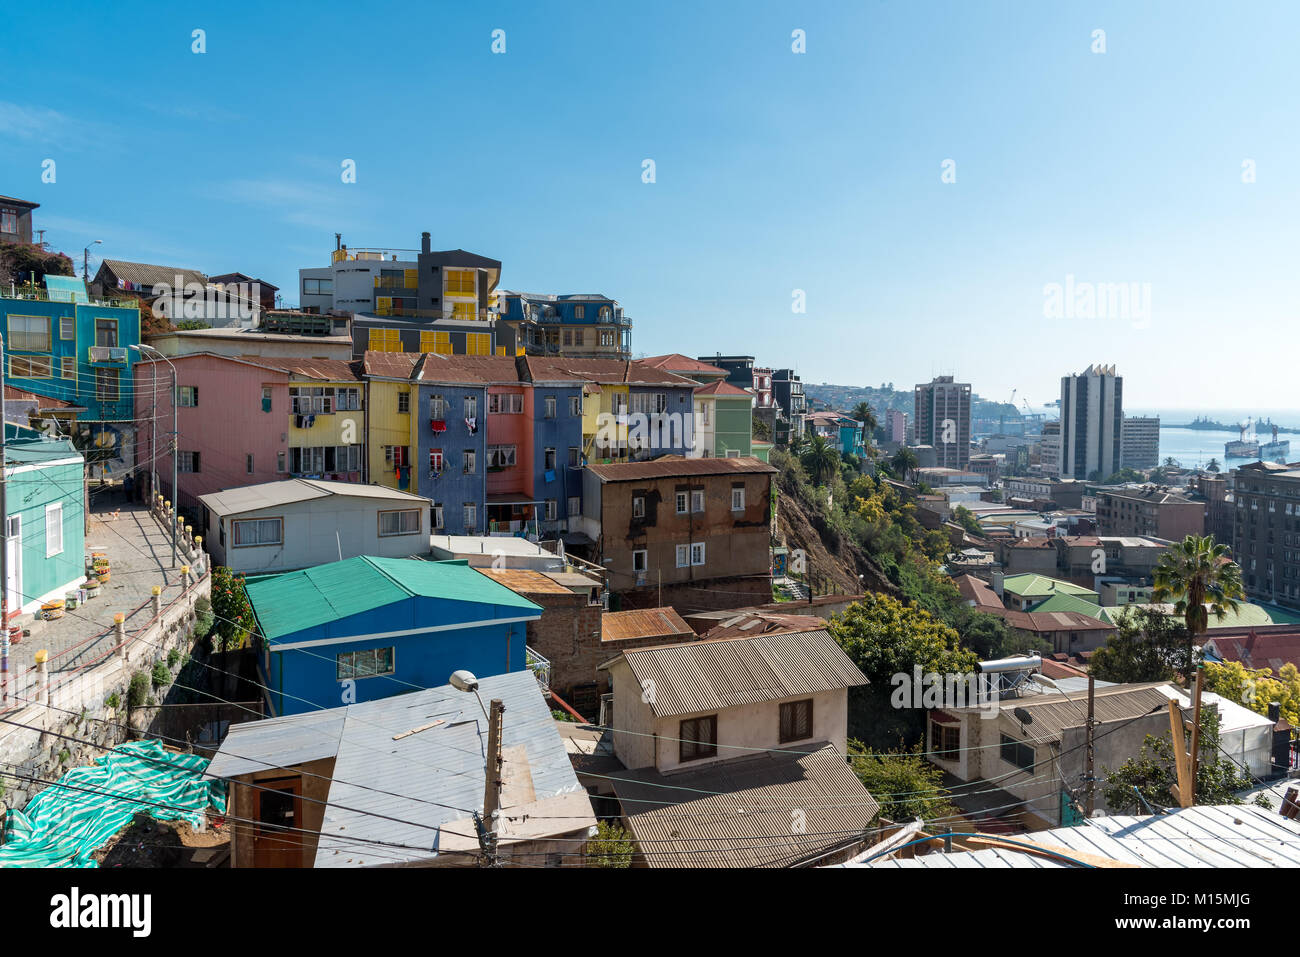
(161, 676)
(203, 618)
(173, 656)
(611, 847)
(113, 700)
(138, 689)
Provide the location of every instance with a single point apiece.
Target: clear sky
(775, 171)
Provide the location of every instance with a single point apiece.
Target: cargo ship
(1241, 448)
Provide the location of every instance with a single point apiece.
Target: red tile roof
(1259, 651)
(676, 362)
(721, 387)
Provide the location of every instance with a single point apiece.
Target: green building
(45, 505)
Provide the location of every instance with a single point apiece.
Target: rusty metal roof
(712, 675)
(737, 813)
(669, 466)
(329, 370)
(747, 624)
(643, 623)
(525, 581)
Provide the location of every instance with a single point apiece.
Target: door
(14, 564)
(278, 811)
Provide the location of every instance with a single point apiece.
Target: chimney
(424, 243)
(1274, 711)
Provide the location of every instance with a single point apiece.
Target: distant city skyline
(948, 191)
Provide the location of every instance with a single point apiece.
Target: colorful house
(44, 542)
(368, 628)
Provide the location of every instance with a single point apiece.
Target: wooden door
(278, 811)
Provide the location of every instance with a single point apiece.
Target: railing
(41, 294)
(539, 666)
(395, 282)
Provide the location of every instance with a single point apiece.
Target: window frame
(788, 721)
(419, 522)
(697, 738)
(236, 523)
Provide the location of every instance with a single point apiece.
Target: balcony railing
(539, 666)
(41, 294)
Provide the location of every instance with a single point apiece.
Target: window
(468, 462)
(437, 515)
(552, 510)
(568, 337)
(258, 531)
(738, 498)
(318, 287)
(279, 461)
(945, 740)
(638, 506)
(471, 407)
(575, 456)
(29, 334)
(395, 456)
(460, 282)
(385, 340)
(683, 557)
(697, 500)
(311, 400)
(470, 514)
(506, 403)
(248, 463)
(579, 337)
(579, 312)
(68, 327)
(575, 505)
(500, 456)
(699, 738)
(549, 406)
(575, 405)
(365, 664)
(435, 460)
(347, 400)
(31, 367)
(403, 403)
(68, 364)
(106, 332)
(437, 407)
(187, 461)
(1017, 753)
(438, 342)
(189, 396)
(697, 553)
(8, 221)
(549, 459)
(607, 337)
(640, 560)
(404, 521)
(106, 388)
(796, 720)
(54, 529)
(682, 503)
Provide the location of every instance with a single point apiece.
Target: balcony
(539, 666)
(108, 355)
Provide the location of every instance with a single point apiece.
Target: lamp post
(153, 448)
(85, 261)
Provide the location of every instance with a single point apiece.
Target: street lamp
(85, 261)
(153, 441)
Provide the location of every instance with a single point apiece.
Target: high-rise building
(942, 417)
(1139, 442)
(1265, 531)
(1092, 415)
(1049, 449)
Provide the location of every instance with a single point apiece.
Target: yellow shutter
(428, 342)
(385, 305)
(412, 279)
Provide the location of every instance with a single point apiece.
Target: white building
(1140, 442)
(1092, 413)
(298, 523)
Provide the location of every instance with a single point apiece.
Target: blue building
(68, 346)
(369, 628)
(580, 325)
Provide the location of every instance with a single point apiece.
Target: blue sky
(775, 171)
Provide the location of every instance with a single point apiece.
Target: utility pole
(1092, 780)
(492, 787)
(1196, 725)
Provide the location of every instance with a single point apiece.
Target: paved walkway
(140, 556)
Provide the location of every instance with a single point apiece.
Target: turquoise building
(45, 502)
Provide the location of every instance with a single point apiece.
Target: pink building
(895, 425)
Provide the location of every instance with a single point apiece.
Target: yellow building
(390, 403)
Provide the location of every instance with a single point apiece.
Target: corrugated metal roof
(325, 370)
(525, 581)
(1205, 836)
(149, 275)
(747, 824)
(643, 623)
(424, 780)
(712, 675)
(669, 466)
(288, 491)
(295, 601)
(1054, 712)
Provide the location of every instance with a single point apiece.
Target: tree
(867, 423)
(1171, 462)
(1201, 580)
(1213, 465)
(903, 462)
(885, 637)
(1148, 645)
(1255, 689)
(612, 846)
(233, 615)
(967, 520)
(1142, 784)
(991, 637)
(1122, 476)
(904, 783)
(820, 460)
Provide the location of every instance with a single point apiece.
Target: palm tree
(1213, 466)
(903, 462)
(1200, 578)
(820, 460)
(864, 414)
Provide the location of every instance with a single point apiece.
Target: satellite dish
(1023, 716)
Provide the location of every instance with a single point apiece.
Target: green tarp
(64, 824)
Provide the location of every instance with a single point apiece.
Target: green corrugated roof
(295, 601)
(1030, 585)
(1061, 601)
(1247, 615)
(27, 451)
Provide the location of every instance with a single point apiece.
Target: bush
(113, 700)
(161, 676)
(611, 847)
(138, 689)
(173, 656)
(230, 607)
(203, 618)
